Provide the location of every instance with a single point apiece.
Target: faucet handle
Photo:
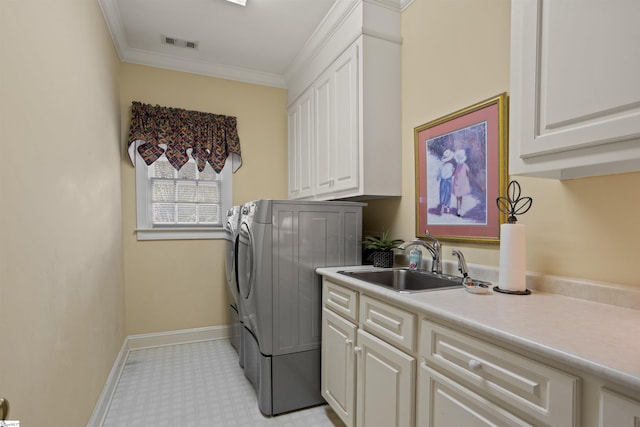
(436, 242)
(462, 263)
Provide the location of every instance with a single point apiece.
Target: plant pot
(383, 259)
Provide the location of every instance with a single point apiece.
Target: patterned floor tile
(195, 385)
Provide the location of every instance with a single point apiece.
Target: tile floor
(195, 385)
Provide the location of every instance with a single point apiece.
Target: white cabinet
(446, 403)
(459, 374)
(336, 161)
(338, 358)
(574, 97)
(393, 363)
(381, 390)
(617, 410)
(338, 365)
(354, 78)
(300, 122)
(385, 395)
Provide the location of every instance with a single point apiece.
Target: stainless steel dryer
(232, 225)
(280, 245)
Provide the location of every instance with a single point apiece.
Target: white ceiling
(255, 43)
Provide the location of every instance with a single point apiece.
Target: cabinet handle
(4, 409)
(357, 349)
(474, 365)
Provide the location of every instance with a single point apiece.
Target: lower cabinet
(388, 365)
(618, 410)
(385, 384)
(338, 365)
(445, 403)
(367, 381)
(460, 374)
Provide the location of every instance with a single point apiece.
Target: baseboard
(184, 336)
(137, 342)
(100, 410)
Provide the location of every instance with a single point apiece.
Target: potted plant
(382, 248)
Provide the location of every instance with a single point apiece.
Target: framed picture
(461, 169)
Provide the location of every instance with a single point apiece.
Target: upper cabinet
(575, 96)
(336, 155)
(300, 136)
(344, 106)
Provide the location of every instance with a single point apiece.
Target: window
(184, 204)
(174, 199)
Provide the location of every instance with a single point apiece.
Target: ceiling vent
(174, 41)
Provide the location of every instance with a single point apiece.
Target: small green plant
(383, 243)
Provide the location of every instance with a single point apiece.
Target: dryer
(280, 244)
(231, 227)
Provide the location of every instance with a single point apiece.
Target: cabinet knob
(475, 365)
(357, 349)
(348, 341)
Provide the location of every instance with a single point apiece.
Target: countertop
(594, 337)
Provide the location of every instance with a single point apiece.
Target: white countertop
(594, 337)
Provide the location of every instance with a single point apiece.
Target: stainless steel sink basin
(405, 280)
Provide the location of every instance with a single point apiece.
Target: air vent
(174, 41)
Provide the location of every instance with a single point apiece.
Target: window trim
(145, 231)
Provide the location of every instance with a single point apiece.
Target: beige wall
(456, 53)
(61, 288)
(65, 183)
(174, 285)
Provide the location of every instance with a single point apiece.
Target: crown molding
(337, 14)
(112, 15)
(194, 66)
(405, 4)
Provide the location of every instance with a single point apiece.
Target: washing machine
(280, 244)
(231, 228)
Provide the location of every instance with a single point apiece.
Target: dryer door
(246, 266)
(230, 254)
(235, 265)
(230, 259)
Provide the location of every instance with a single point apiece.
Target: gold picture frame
(461, 170)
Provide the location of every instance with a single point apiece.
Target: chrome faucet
(470, 285)
(434, 248)
(462, 263)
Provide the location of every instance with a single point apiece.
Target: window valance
(207, 138)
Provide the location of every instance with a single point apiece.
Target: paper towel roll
(513, 276)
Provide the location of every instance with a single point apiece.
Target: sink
(405, 280)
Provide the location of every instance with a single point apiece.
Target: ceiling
(253, 43)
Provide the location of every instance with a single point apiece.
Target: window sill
(180, 233)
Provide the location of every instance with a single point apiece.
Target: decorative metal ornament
(514, 204)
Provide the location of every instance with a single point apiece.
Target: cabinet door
(386, 388)
(300, 121)
(618, 410)
(337, 126)
(444, 403)
(338, 365)
(324, 99)
(574, 94)
(346, 146)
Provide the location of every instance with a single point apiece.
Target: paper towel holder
(513, 205)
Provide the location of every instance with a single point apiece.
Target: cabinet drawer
(443, 402)
(341, 300)
(390, 323)
(544, 393)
